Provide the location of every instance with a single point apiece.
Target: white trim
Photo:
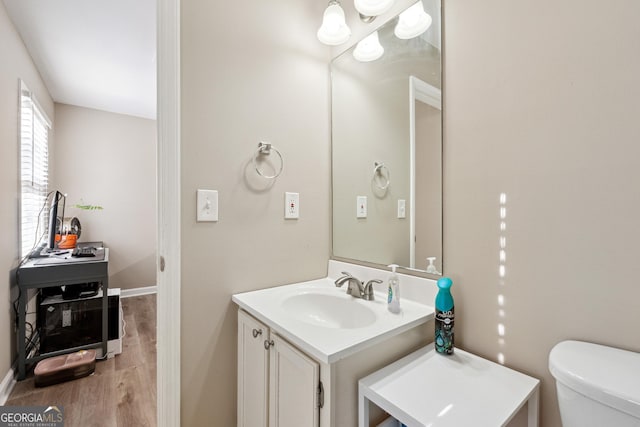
(423, 92)
(426, 93)
(6, 386)
(136, 292)
(39, 110)
(168, 300)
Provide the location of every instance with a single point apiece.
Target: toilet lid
(605, 374)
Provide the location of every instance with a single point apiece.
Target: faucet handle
(340, 280)
(367, 294)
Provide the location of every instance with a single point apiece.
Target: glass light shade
(334, 30)
(372, 7)
(412, 22)
(369, 49)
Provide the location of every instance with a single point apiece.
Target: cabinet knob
(268, 343)
(257, 332)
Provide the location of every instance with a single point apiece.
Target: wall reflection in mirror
(387, 145)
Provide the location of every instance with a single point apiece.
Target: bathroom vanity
(303, 347)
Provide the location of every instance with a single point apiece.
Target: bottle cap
(444, 283)
(393, 267)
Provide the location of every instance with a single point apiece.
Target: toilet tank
(597, 385)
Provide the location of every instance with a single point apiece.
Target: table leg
(532, 406)
(105, 316)
(22, 346)
(363, 409)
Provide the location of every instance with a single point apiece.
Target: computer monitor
(53, 219)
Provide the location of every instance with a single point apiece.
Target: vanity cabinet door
(253, 372)
(293, 386)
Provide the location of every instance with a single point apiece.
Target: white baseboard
(136, 292)
(6, 386)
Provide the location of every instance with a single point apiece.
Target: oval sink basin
(329, 311)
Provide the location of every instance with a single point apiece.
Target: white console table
(429, 389)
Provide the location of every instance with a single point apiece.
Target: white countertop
(329, 345)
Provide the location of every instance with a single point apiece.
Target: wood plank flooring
(121, 392)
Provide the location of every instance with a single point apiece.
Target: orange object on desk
(68, 241)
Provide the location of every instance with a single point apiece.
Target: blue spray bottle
(444, 317)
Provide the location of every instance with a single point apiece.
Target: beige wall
(541, 104)
(251, 71)
(16, 64)
(109, 160)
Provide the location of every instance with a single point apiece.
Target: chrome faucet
(355, 287)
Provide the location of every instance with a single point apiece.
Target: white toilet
(597, 385)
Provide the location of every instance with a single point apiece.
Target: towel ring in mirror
(382, 170)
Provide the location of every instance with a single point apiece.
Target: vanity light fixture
(412, 22)
(369, 49)
(334, 29)
(372, 8)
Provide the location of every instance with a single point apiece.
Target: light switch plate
(291, 205)
(402, 208)
(361, 207)
(207, 206)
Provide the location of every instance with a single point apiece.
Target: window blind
(34, 170)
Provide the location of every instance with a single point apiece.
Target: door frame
(168, 211)
(419, 91)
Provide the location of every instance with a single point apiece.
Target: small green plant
(86, 207)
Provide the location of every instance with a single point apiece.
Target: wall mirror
(387, 147)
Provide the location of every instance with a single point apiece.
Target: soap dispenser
(393, 300)
(431, 268)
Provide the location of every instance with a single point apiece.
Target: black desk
(61, 270)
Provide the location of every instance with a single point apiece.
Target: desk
(426, 388)
(41, 273)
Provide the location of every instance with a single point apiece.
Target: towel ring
(265, 148)
(378, 169)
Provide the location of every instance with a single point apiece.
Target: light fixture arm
(366, 19)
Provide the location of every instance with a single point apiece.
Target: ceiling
(92, 54)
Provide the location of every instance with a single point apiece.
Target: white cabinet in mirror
(388, 112)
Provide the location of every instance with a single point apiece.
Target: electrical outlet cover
(291, 205)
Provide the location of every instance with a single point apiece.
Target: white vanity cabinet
(319, 342)
(277, 384)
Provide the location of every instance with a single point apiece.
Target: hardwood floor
(121, 392)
